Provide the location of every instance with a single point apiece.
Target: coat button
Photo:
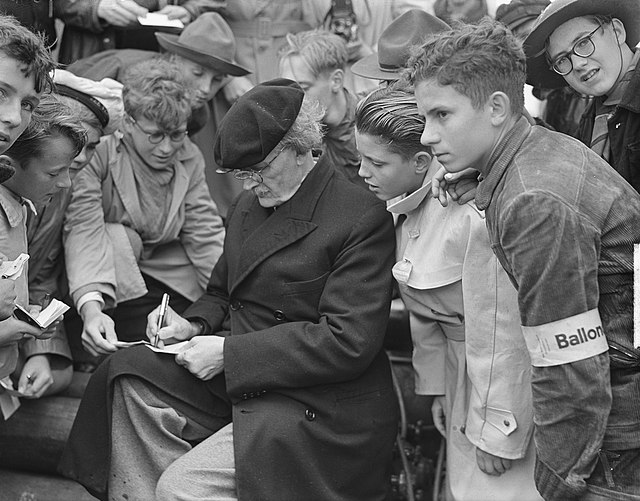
(463, 429)
(309, 414)
(235, 305)
(279, 315)
(244, 396)
(507, 423)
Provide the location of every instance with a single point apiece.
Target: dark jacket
(562, 224)
(624, 131)
(37, 15)
(304, 293)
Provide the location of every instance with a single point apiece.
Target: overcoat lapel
(265, 232)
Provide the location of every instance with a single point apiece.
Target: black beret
(256, 123)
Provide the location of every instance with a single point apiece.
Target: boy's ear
(421, 162)
(337, 80)
(620, 31)
(500, 107)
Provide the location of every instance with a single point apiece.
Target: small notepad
(45, 318)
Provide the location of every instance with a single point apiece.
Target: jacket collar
(413, 200)
(631, 98)
(500, 160)
(12, 206)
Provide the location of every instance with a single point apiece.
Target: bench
(31, 443)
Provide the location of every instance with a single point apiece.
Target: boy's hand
(13, 330)
(98, 330)
(176, 12)
(461, 186)
(492, 465)
(439, 414)
(36, 377)
(120, 13)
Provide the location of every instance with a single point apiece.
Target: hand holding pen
(174, 327)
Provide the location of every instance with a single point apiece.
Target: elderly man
(316, 60)
(293, 318)
(204, 51)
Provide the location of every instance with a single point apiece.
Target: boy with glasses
(590, 45)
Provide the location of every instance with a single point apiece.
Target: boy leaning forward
(562, 223)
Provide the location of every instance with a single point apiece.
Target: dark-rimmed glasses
(157, 137)
(255, 173)
(563, 65)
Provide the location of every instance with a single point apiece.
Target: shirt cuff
(89, 296)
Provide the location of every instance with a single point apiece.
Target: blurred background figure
(316, 59)
(395, 44)
(95, 25)
(37, 15)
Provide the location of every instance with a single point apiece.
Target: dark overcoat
(303, 293)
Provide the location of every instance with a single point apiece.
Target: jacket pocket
(306, 286)
(502, 419)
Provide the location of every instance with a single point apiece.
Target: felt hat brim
(368, 67)
(171, 43)
(539, 74)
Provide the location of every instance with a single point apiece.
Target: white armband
(567, 340)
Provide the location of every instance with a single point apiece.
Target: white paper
(13, 269)
(155, 19)
(127, 344)
(171, 349)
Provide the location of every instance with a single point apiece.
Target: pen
(163, 312)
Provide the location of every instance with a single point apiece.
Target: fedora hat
(395, 43)
(539, 74)
(208, 41)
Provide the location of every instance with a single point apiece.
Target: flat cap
(256, 123)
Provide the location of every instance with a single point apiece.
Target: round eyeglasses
(157, 137)
(255, 173)
(584, 47)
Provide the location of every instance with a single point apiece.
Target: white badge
(402, 271)
(567, 340)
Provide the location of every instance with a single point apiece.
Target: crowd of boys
(562, 214)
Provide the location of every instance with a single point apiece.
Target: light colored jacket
(104, 217)
(446, 245)
(13, 242)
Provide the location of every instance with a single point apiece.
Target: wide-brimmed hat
(395, 43)
(208, 41)
(539, 74)
(256, 123)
